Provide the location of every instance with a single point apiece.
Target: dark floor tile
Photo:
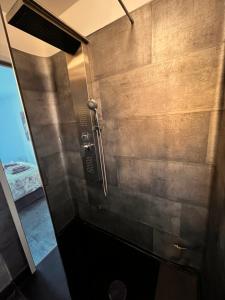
(16, 295)
(49, 281)
(96, 259)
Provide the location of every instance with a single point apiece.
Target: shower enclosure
(126, 133)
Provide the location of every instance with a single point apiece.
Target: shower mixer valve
(88, 146)
(85, 136)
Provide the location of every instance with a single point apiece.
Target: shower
(32, 18)
(93, 106)
(125, 121)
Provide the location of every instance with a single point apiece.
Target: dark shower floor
(93, 260)
(48, 283)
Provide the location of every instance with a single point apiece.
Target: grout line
(156, 63)
(150, 116)
(146, 195)
(165, 160)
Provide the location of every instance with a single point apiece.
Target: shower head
(30, 17)
(92, 104)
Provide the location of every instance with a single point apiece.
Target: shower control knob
(85, 136)
(87, 147)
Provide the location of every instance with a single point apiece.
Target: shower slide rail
(92, 105)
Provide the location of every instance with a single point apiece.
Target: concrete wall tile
(177, 85)
(181, 137)
(51, 118)
(120, 46)
(96, 197)
(193, 224)
(29, 62)
(65, 109)
(170, 180)
(111, 169)
(35, 73)
(61, 204)
(137, 233)
(41, 107)
(150, 210)
(70, 137)
(74, 164)
(78, 189)
(46, 139)
(174, 34)
(53, 168)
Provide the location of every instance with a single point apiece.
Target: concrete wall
(12, 259)
(157, 84)
(48, 114)
(213, 279)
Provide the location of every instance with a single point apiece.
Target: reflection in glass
(18, 159)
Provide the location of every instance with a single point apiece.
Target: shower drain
(117, 290)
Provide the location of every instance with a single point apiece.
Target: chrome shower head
(92, 104)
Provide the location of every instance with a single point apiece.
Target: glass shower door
(19, 163)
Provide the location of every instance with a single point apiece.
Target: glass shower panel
(19, 161)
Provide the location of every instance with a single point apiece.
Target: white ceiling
(88, 16)
(56, 7)
(84, 16)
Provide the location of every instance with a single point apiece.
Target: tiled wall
(11, 253)
(157, 83)
(158, 86)
(49, 114)
(214, 265)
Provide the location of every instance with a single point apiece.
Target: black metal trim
(5, 64)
